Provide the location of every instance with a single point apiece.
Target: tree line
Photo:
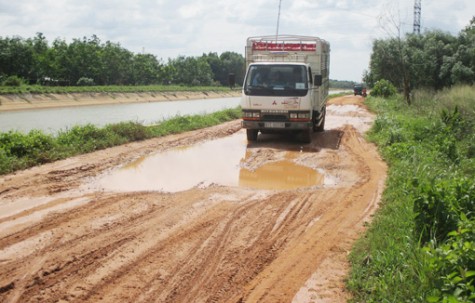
(88, 61)
(342, 84)
(433, 60)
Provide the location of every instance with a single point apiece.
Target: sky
(172, 28)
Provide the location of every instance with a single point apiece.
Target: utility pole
(417, 17)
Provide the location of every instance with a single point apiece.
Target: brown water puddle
(280, 175)
(214, 162)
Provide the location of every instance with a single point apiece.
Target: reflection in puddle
(213, 162)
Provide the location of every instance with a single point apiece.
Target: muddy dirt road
(145, 222)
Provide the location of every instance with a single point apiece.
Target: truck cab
(359, 89)
(286, 85)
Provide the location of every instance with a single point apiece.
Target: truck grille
(268, 117)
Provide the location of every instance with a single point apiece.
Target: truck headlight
(251, 115)
(299, 115)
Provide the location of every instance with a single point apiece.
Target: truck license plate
(274, 124)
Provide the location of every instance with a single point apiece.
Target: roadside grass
(420, 246)
(20, 151)
(39, 89)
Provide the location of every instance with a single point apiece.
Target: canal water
(53, 120)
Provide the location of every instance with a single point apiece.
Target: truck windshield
(276, 80)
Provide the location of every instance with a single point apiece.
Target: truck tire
(252, 134)
(307, 135)
(321, 126)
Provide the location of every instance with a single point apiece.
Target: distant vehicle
(286, 85)
(360, 89)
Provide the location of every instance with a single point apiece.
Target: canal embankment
(13, 102)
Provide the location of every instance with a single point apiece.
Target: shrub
(84, 138)
(439, 206)
(383, 88)
(5, 162)
(13, 81)
(19, 145)
(84, 81)
(132, 131)
(453, 265)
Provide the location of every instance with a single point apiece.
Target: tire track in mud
(214, 244)
(338, 223)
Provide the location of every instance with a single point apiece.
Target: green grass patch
(20, 151)
(39, 89)
(420, 246)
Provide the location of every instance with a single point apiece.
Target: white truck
(286, 85)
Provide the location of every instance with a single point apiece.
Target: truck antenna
(278, 19)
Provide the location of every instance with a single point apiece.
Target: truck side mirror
(318, 80)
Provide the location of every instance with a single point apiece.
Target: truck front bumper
(268, 125)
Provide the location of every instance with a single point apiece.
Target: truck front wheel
(321, 122)
(252, 134)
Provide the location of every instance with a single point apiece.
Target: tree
(191, 71)
(16, 58)
(116, 65)
(428, 53)
(84, 58)
(434, 59)
(384, 62)
(225, 64)
(461, 65)
(146, 69)
(108, 63)
(233, 63)
(39, 48)
(59, 62)
(217, 67)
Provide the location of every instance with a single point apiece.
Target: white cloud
(192, 9)
(168, 28)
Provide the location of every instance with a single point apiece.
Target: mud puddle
(283, 174)
(340, 115)
(230, 161)
(221, 161)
